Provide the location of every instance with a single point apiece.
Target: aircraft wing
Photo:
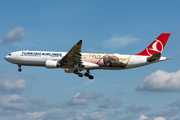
(73, 57)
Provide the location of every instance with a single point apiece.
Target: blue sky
(145, 93)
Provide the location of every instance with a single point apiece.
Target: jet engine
(51, 64)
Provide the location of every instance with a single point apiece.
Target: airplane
(74, 61)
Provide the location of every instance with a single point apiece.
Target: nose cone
(7, 58)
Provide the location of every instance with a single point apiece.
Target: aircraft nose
(6, 58)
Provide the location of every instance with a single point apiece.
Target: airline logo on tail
(156, 46)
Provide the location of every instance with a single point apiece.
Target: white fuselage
(39, 58)
(23, 58)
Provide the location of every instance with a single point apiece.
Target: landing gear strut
(19, 68)
(78, 73)
(88, 74)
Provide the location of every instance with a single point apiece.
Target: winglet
(156, 46)
(79, 43)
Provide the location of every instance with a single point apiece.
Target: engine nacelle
(69, 70)
(90, 65)
(51, 64)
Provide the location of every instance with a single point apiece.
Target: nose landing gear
(19, 68)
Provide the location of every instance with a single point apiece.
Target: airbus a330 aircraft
(74, 61)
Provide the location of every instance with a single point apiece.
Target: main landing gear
(19, 68)
(86, 74)
(78, 73)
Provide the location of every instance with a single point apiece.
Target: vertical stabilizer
(156, 46)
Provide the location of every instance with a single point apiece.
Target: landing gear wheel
(91, 77)
(80, 74)
(76, 71)
(19, 70)
(86, 74)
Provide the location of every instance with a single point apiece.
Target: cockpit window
(9, 54)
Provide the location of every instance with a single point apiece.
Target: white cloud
(10, 83)
(167, 112)
(117, 42)
(161, 81)
(99, 115)
(15, 104)
(143, 117)
(7, 86)
(159, 118)
(39, 103)
(17, 34)
(28, 116)
(110, 103)
(82, 99)
(62, 114)
(138, 108)
(37, 100)
(58, 114)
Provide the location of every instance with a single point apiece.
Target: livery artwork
(107, 60)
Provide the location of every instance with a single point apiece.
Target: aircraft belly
(95, 68)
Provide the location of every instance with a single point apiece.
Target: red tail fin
(156, 46)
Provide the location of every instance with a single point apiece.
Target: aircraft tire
(19, 70)
(86, 74)
(76, 71)
(80, 74)
(91, 77)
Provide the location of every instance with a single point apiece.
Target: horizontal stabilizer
(154, 57)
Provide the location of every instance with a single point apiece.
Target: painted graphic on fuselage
(106, 60)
